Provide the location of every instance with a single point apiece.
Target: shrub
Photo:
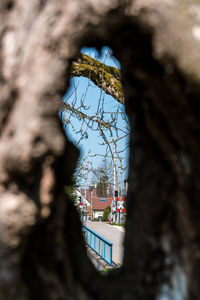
(106, 213)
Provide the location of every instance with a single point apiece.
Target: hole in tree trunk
(95, 120)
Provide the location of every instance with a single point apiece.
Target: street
(114, 234)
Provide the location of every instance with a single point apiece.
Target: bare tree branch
(78, 113)
(105, 77)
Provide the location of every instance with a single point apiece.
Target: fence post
(99, 247)
(111, 255)
(89, 234)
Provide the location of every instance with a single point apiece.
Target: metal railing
(97, 243)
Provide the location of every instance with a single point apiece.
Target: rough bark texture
(42, 253)
(105, 77)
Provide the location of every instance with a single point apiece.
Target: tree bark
(105, 77)
(42, 252)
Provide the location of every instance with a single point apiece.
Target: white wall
(97, 214)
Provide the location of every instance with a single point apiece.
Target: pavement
(114, 234)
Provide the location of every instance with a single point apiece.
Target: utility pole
(114, 173)
(85, 188)
(86, 168)
(91, 205)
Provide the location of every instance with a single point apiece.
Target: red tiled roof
(97, 205)
(101, 205)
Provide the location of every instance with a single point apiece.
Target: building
(98, 204)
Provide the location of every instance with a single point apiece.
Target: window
(102, 199)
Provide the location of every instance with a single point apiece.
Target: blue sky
(80, 91)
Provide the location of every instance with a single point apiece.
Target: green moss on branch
(105, 77)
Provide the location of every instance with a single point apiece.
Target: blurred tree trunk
(42, 253)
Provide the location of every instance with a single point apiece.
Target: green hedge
(106, 213)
